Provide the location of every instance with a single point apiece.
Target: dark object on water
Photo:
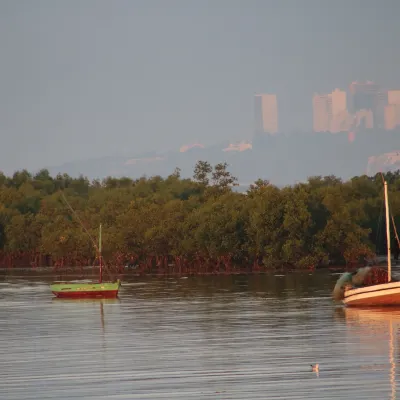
(366, 276)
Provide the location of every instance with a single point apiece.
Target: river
(237, 337)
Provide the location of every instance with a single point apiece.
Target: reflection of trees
(287, 287)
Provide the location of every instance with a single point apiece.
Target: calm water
(195, 338)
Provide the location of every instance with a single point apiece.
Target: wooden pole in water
(100, 257)
(389, 255)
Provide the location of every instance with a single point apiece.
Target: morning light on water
(199, 199)
(235, 337)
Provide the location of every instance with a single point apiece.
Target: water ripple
(214, 338)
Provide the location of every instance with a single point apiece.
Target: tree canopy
(194, 225)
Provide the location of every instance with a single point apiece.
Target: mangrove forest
(201, 225)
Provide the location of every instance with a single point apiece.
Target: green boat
(85, 289)
(98, 289)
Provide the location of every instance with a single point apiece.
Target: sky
(89, 78)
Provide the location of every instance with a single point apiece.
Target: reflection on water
(196, 338)
(367, 323)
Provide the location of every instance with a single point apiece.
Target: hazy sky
(81, 78)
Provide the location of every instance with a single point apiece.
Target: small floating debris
(315, 368)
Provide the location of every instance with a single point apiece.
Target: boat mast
(389, 255)
(100, 257)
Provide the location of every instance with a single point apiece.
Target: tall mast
(100, 257)
(389, 253)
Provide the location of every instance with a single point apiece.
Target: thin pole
(100, 257)
(389, 253)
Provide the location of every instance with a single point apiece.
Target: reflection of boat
(87, 300)
(383, 320)
(383, 291)
(91, 302)
(87, 289)
(372, 315)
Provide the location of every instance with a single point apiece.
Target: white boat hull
(385, 294)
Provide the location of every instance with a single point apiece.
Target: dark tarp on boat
(365, 276)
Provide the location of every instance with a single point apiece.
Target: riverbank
(132, 271)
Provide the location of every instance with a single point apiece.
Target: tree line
(198, 225)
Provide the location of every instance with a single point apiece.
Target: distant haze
(87, 78)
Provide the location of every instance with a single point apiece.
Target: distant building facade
(341, 120)
(266, 113)
(363, 106)
(368, 97)
(364, 119)
(330, 112)
(322, 112)
(363, 96)
(392, 110)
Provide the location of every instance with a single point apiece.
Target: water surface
(195, 338)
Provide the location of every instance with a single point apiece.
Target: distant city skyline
(94, 78)
(363, 104)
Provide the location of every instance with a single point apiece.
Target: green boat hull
(86, 289)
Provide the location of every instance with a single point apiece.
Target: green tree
(202, 171)
(222, 178)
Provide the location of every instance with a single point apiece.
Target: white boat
(386, 293)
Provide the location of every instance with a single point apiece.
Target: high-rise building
(266, 113)
(339, 101)
(391, 119)
(341, 122)
(393, 97)
(367, 96)
(364, 119)
(392, 110)
(322, 112)
(382, 102)
(330, 112)
(363, 96)
(340, 117)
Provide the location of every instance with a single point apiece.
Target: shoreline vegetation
(177, 226)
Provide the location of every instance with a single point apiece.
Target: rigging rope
(394, 226)
(80, 221)
(87, 232)
(83, 226)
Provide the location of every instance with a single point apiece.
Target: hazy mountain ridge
(282, 159)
